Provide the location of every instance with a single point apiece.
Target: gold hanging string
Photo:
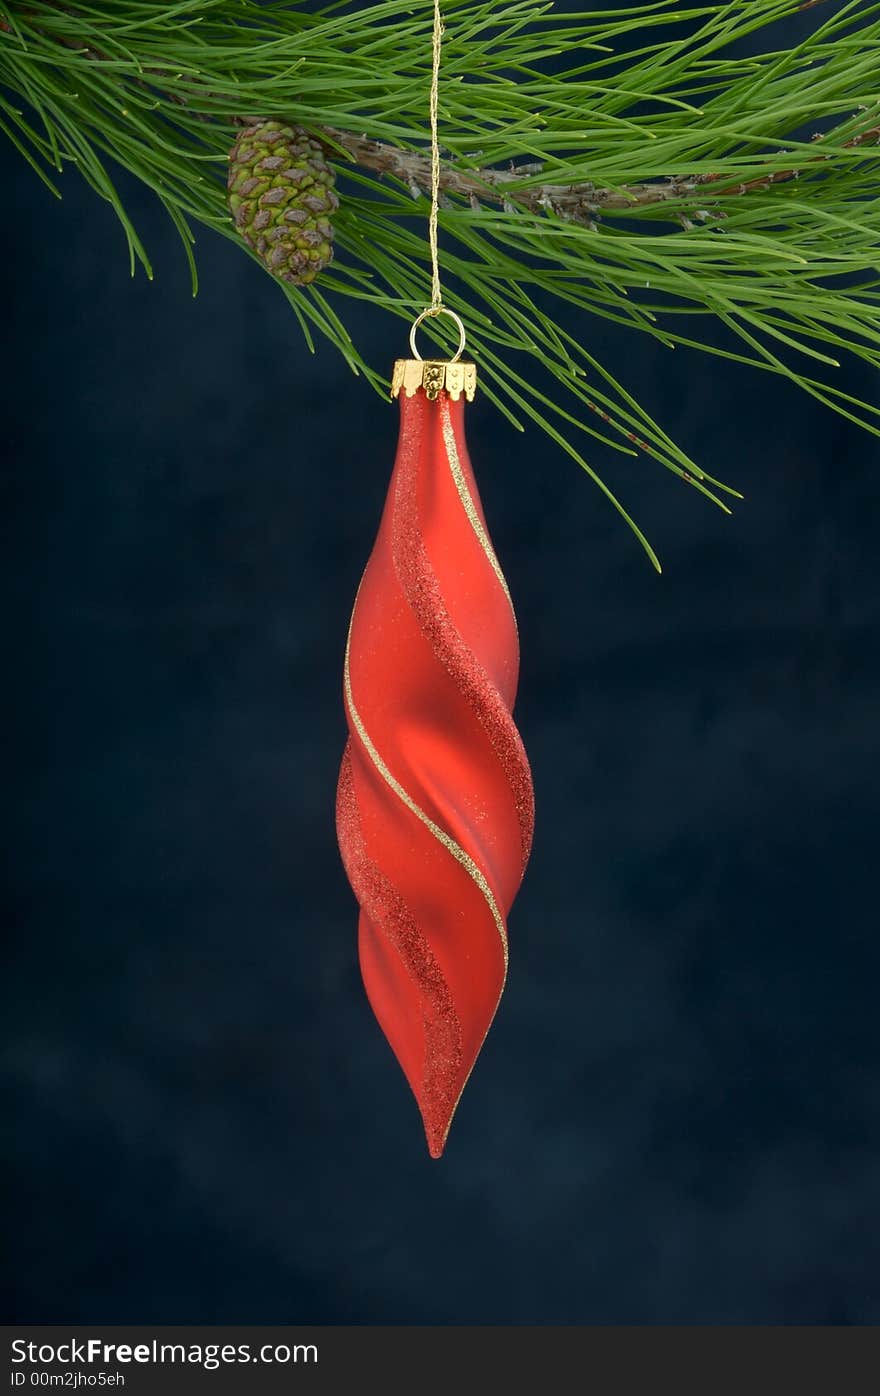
(436, 44)
(436, 307)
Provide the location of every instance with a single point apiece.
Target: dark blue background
(675, 1115)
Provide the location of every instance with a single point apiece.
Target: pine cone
(281, 198)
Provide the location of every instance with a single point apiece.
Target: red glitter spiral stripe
(435, 809)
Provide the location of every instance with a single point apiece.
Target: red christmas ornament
(435, 808)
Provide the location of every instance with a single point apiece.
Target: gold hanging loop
(429, 314)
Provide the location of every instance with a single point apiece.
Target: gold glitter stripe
(465, 495)
(449, 843)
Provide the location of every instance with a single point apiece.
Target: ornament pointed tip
(436, 1133)
(436, 1141)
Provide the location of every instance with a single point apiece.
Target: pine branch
(581, 203)
(633, 165)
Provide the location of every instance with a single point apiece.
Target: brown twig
(581, 203)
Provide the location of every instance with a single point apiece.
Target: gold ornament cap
(434, 376)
